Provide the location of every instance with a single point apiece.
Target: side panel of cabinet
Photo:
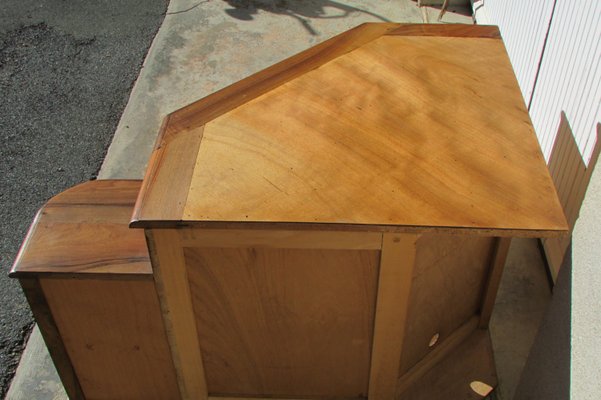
(113, 333)
(449, 279)
(284, 322)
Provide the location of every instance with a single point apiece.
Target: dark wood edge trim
(51, 334)
(259, 83)
(175, 188)
(151, 170)
(497, 264)
(14, 271)
(447, 30)
(497, 232)
(125, 276)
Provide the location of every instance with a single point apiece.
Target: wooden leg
(41, 311)
(494, 279)
(176, 306)
(394, 284)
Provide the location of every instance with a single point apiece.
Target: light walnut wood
(202, 111)
(284, 322)
(161, 198)
(268, 203)
(169, 173)
(88, 281)
(448, 280)
(394, 286)
(306, 148)
(281, 239)
(114, 335)
(408, 160)
(178, 316)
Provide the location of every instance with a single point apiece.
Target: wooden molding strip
(214, 105)
(280, 239)
(168, 176)
(394, 287)
(303, 226)
(447, 30)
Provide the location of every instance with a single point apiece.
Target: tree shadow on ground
(302, 11)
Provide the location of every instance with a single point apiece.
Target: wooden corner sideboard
(335, 226)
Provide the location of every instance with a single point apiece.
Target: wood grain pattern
(212, 106)
(408, 160)
(66, 234)
(447, 30)
(452, 378)
(160, 198)
(52, 337)
(168, 175)
(284, 322)
(173, 289)
(307, 146)
(281, 239)
(114, 335)
(571, 178)
(501, 248)
(394, 286)
(104, 192)
(447, 284)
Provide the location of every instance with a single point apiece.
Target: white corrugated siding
(569, 76)
(570, 71)
(523, 25)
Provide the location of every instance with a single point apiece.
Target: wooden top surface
(84, 230)
(386, 127)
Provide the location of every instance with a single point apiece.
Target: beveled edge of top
(549, 232)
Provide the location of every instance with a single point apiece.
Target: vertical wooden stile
(394, 286)
(176, 306)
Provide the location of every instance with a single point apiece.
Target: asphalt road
(66, 71)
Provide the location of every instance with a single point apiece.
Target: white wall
(568, 66)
